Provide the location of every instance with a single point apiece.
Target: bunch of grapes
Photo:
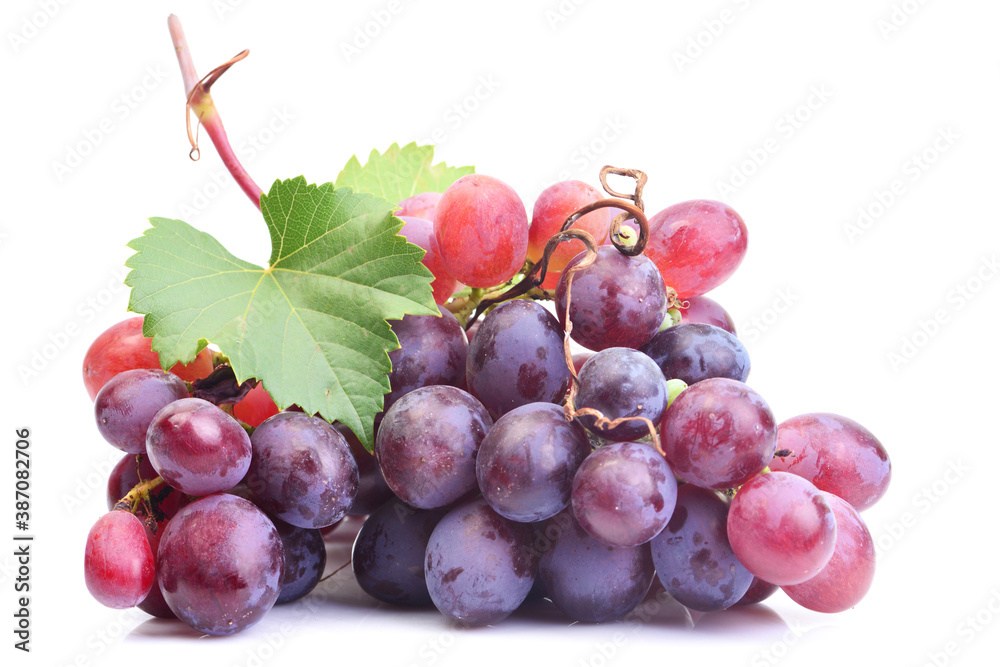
(505, 467)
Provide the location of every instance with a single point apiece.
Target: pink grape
(420, 232)
(781, 528)
(556, 203)
(696, 245)
(422, 205)
(481, 229)
(118, 563)
(702, 310)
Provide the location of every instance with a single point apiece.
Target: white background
(836, 102)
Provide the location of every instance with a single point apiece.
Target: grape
(696, 245)
(118, 563)
(479, 567)
(220, 564)
(759, 591)
(154, 604)
(701, 309)
(517, 358)
(422, 205)
(255, 407)
(127, 473)
(526, 462)
(849, 574)
(718, 434)
(481, 229)
(674, 389)
(302, 470)
(304, 553)
(122, 347)
(556, 203)
(618, 301)
(432, 351)
(621, 382)
(127, 403)
(696, 352)
(590, 581)
(579, 359)
(836, 454)
(373, 492)
(388, 554)
(420, 232)
(781, 528)
(692, 555)
(427, 443)
(624, 494)
(197, 448)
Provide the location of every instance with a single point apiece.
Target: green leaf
(312, 325)
(399, 173)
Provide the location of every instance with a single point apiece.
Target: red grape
(702, 310)
(555, 204)
(118, 563)
(255, 407)
(419, 231)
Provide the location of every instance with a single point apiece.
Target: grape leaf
(399, 173)
(311, 326)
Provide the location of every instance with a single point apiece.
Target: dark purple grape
(154, 604)
(432, 351)
(388, 555)
(836, 454)
(126, 405)
(718, 433)
(426, 446)
(624, 494)
(197, 448)
(305, 559)
(118, 563)
(127, 473)
(618, 301)
(516, 358)
(219, 564)
(590, 581)
(302, 471)
(693, 558)
(695, 352)
(622, 382)
(526, 462)
(759, 591)
(373, 492)
(479, 567)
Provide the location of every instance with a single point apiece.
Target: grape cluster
(504, 467)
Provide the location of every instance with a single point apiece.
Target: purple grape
(759, 591)
(154, 604)
(197, 448)
(718, 433)
(526, 462)
(692, 555)
(220, 564)
(305, 559)
(706, 311)
(302, 471)
(622, 382)
(516, 358)
(695, 352)
(618, 301)
(479, 567)
(836, 454)
(373, 492)
(624, 494)
(426, 446)
(432, 351)
(590, 581)
(126, 405)
(127, 473)
(388, 555)
(781, 528)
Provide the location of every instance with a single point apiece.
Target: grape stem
(138, 494)
(199, 101)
